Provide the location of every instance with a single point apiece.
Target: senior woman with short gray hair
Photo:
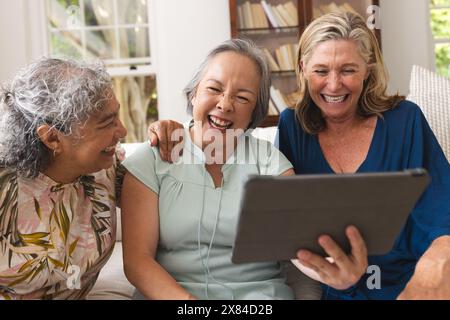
(179, 220)
(59, 128)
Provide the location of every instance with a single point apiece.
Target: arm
(162, 133)
(140, 229)
(432, 273)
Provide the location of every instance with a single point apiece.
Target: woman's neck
(343, 126)
(61, 174)
(217, 151)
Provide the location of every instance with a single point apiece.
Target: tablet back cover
(280, 215)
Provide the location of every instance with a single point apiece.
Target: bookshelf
(275, 26)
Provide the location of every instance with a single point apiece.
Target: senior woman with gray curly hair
(59, 128)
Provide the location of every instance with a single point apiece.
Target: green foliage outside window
(440, 27)
(442, 51)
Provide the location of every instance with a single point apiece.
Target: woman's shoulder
(404, 109)
(8, 180)
(287, 115)
(141, 152)
(7, 174)
(405, 113)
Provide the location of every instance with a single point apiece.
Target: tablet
(280, 215)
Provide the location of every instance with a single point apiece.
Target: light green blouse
(198, 221)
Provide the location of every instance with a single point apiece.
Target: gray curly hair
(249, 49)
(60, 93)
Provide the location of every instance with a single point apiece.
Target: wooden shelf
(270, 121)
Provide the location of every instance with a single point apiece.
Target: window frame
(434, 40)
(124, 67)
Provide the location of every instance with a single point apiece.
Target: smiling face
(335, 73)
(92, 147)
(226, 95)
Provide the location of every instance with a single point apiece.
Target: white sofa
(429, 91)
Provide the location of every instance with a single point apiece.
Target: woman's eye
(213, 89)
(110, 124)
(349, 71)
(321, 72)
(242, 99)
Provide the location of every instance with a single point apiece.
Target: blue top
(402, 140)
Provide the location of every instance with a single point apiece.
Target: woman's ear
(368, 71)
(194, 97)
(302, 66)
(49, 137)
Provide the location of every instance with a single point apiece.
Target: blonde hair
(347, 26)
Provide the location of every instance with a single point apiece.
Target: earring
(54, 153)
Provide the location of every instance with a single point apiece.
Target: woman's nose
(334, 81)
(121, 130)
(225, 103)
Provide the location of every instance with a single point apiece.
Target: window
(118, 32)
(440, 26)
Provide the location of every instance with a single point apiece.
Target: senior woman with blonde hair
(345, 122)
(59, 128)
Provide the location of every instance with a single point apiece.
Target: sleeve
(431, 216)
(142, 165)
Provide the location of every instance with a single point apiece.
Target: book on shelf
(273, 65)
(269, 13)
(286, 57)
(251, 16)
(293, 12)
(331, 7)
(240, 15)
(281, 22)
(247, 14)
(259, 18)
(285, 15)
(278, 100)
(261, 14)
(273, 111)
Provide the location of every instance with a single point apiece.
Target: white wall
(13, 51)
(21, 33)
(406, 39)
(185, 31)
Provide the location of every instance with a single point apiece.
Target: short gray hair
(250, 50)
(60, 93)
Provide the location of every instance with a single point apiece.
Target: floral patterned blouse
(55, 238)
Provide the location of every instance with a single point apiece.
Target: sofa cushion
(431, 93)
(111, 283)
